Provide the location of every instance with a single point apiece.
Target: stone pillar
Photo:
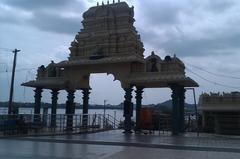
(85, 98)
(139, 92)
(54, 107)
(37, 108)
(70, 109)
(175, 109)
(203, 119)
(128, 110)
(181, 109)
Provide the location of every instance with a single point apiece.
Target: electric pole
(10, 105)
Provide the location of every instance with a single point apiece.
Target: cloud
(187, 28)
(55, 23)
(36, 4)
(187, 46)
(196, 28)
(202, 32)
(159, 12)
(8, 15)
(60, 16)
(220, 5)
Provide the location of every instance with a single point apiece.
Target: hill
(165, 106)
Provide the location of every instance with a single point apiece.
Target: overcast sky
(202, 33)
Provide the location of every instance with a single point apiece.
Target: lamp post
(10, 103)
(104, 107)
(104, 112)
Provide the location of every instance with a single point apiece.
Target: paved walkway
(116, 137)
(116, 145)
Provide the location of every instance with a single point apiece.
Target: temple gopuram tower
(108, 31)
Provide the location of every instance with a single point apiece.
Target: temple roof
(49, 83)
(120, 59)
(153, 55)
(108, 10)
(158, 80)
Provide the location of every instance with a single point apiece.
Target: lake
(118, 113)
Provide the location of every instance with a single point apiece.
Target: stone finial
(118, 1)
(113, 1)
(102, 3)
(41, 71)
(174, 56)
(97, 3)
(153, 53)
(107, 2)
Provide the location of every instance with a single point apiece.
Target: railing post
(114, 119)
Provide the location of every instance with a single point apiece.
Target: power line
(215, 74)
(6, 49)
(18, 70)
(25, 69)
(213, 82)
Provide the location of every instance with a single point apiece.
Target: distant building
(220, 112)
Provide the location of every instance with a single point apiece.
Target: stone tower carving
(108, 31)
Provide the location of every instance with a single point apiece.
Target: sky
(204, 34)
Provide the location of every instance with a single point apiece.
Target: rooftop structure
(220, 101)
(221, 112)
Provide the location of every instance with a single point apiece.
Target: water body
(117, 113)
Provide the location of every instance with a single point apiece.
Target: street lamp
(104, 112)
(104, 107)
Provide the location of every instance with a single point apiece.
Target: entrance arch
(112, 46)
(105, 87)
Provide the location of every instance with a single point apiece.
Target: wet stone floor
(116, 145)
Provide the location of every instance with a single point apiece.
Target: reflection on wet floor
(27, 149)
(204, 140)
(45, 147)
(11, 149)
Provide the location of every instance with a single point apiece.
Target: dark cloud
(202, 47)
(8, 20)
(220, 5)
(163, 22)
(37, 4)
(187, 45)
(47, 15)
(55, 23)
(160, 13)
(199, 28)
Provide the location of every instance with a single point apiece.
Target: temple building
(109, 43)
(220, 112)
